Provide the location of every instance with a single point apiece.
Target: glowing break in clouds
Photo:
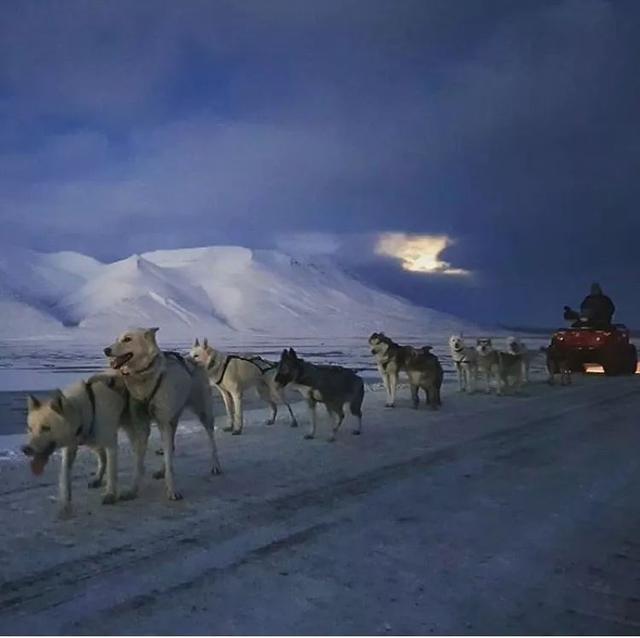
(418, 253)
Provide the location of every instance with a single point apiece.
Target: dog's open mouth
(118, 362)
(39, 459)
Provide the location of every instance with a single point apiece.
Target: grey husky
(165, 384)
(332, 385)
(87, 413)
(558, 363)
(510, 369)
(488, 363)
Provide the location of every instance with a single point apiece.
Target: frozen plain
(494, 515)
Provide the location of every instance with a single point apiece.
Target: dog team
(145, 384)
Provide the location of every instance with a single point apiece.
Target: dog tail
(356, 402)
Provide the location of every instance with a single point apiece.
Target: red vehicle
(608, 347)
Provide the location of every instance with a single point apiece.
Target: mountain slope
(220, 290)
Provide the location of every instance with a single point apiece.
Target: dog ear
(292, 352)
(33, 403)
(196, 343)
(57, 402)
(151, 333)
(205, 342)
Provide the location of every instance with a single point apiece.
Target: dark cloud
(511, 127)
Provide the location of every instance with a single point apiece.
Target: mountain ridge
(222, 290)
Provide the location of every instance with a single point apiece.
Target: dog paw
(236, 432)
(309, 436)
(269, 421)
(94, 483)
(356, 432)
(160, 452)
(158, 474)
(389, 405)
(216, 470)
(174, 496)
(128, 495)
(109, 499)
(294, 424)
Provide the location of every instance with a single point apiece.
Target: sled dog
(233, 375)
(421, 366)
(516, 346)
(487, 359)
(425, 371)
(86, 413)
(332, 385)
(510, 370)
(465, 360)
(558, 363)
(165, 383)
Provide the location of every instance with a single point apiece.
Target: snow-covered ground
(493, 515)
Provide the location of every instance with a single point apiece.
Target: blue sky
(509, 127)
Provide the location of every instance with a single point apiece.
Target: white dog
(233, 375)
(165, 383)
(86, 413)
(515, 346)
(466, 361)
(488, 364)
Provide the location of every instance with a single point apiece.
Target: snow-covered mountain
(221, 291)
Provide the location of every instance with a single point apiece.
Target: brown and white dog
(392, 358)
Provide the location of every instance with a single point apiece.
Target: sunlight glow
(418, 253)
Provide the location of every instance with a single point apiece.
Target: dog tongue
(38, 463)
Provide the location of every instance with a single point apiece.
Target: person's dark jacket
(597, 308)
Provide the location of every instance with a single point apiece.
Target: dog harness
(173, 355)
(85, 436)
(181, 360)
(230, 357)
(145, 369)
(464, 358)
(81, 435)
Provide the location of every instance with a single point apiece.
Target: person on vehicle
(596, 310)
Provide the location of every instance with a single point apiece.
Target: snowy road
(511, 515)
